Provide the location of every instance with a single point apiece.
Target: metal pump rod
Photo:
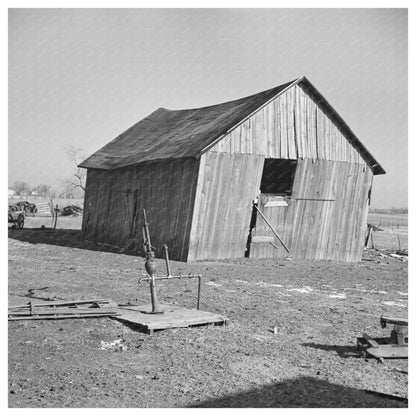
(165, 247)
(180, 276)
(150, 265)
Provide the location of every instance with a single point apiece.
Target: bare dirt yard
(318, 309)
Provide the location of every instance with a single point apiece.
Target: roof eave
(365, 154)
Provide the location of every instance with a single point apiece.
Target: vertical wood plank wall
(294, 126)
(114, 201)
(290, 127)
(227, 186)
(326, 217)
(225, 180)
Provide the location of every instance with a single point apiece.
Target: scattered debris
(305, 289)
(116, 344)
(397, 256)
(391, 303)
(261, 284)
(74, 210)
(337, 296)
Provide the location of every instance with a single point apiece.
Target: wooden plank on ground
(173, 317)
(60, 313)
(64, 303)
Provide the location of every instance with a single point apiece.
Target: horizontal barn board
(276, 204)
(289, 121)
(173, 317)
(262, 239)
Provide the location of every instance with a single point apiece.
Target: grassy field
(290, 342)
(388, 220)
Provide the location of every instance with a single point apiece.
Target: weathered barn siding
(197, 171)
(326, 214)
(114, 201)
(227, 185)
(292, 126)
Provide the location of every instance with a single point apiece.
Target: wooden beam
(313, 199)
(271, 227)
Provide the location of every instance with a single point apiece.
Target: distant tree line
(73, 187)
(66, 190)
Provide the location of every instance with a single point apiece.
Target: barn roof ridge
(233, 101)
(174, 134)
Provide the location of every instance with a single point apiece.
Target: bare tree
(76, 155)
(43, 190)
(67, 189)
(21, 188)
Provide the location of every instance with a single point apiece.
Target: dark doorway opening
(278, 177)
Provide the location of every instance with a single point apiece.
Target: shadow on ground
(65, 238)
(305, 392)
(344, 351)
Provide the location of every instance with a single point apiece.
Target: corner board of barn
(274, 174)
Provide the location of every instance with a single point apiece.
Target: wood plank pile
(63, 309)
(44, 209)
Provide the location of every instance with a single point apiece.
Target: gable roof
(174, 134)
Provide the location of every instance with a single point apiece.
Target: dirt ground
(318, 309)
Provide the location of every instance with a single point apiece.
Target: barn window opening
(278, 177)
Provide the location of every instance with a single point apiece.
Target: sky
(80, 77)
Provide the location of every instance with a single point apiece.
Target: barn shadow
(304, 392)
(65, 238)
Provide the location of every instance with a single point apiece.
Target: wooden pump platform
(172, 317)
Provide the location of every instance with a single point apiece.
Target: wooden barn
(197, 173)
